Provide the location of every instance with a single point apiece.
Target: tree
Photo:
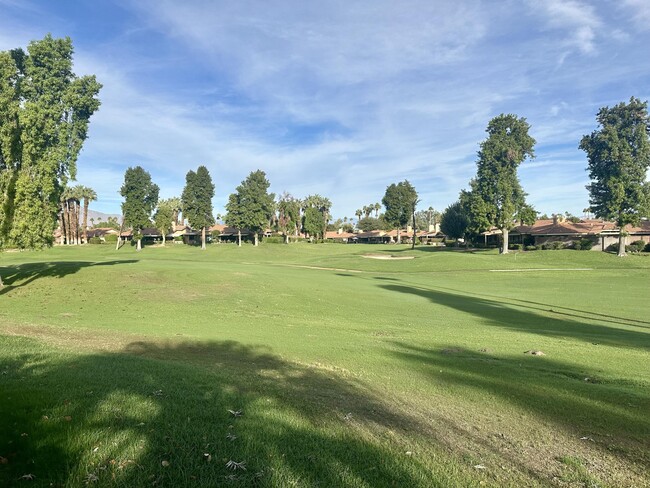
(454, 221)
(140, 198)
(88, 195)
(377, 208)
(251, 206)
(44, 113)
(618, 155)
(177, 208)
(358, 213)
(367, 224)
(163, 219)
(288, 215)
(323, 205)
(426, 219)
(400, 201)
(496, 197)
(197, 200)
(313, 222)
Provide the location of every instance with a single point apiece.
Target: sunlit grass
(365, 373)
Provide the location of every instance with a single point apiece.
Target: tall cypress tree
(197, 200)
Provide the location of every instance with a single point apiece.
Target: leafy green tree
(323, 205)
(197, 200)
(496, 197)
(424, 219)
(367, 224)
(400, 201)
(313, 222)
(288, 215)
(163, 219)
(44, 113)
(454, 221)
(618, 155)
(140, 198)
(252, 206)
(177, 208)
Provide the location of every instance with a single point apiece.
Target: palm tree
(358, 213)
(88, 195)
(377, 207)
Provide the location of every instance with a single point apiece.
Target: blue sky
(342, 98)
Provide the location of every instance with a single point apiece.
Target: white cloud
(578, 19)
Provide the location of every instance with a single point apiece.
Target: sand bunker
(385, 256)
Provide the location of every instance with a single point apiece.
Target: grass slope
(120, 368)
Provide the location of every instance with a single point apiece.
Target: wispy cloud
(342, 98)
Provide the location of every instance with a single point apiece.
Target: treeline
(618, 157)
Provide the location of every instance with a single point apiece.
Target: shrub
(516, 247)
(95, 240)
(647, 247)
(546, 246)
(110, 238)
(273, 240)
(178, 238)
(636, 246)
(556, 245)
(531, 248)
(583, 244)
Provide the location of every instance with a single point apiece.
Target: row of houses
(601, 233)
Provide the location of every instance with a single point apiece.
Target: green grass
(119, 368)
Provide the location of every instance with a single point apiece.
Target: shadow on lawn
(523, 317)
(23, 274)
(150, 414)
(611, 414)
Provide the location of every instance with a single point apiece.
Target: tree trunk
(399, 237)
(85, 221)
(256, 239)
(66, 222)
(414, 230)
(504, 243)
(286, 238)
(621, 244)
(203, 238)
(75, 225)
(139, 248)
(163, 236)
(61, 226)
(119, 236)
(239, 237)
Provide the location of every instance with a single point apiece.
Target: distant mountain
(98, 217)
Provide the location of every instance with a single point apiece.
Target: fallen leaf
(165, 463)
(479, 466)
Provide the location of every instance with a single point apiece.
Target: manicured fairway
(120, 368)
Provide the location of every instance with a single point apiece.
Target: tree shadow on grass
(611, 414)
(159, 415)
(523, 317)
(23, 274)
(568, 311)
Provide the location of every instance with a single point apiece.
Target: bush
(95, 240)
(647, 247)
(178, 238)
(273, 240)
(636, 246)
(516, 247)
(556, 245)
(583, 245)
(531, 248)
(110, 238)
